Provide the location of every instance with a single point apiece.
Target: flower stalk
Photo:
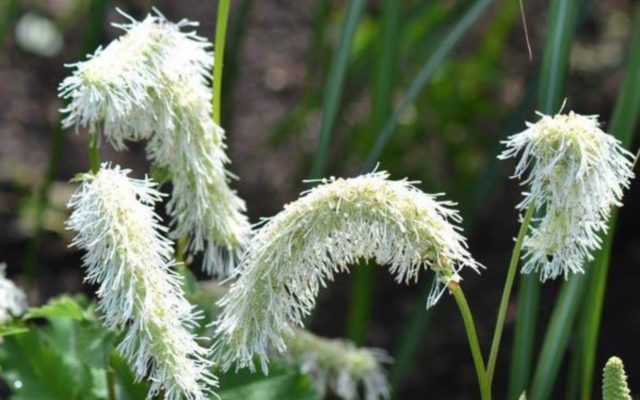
(472, 337)
(506, 293)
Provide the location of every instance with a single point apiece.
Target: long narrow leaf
(561, 27)
(335, 82)
(425, 73)
(625, 118)
(556, 338)
(364, 278)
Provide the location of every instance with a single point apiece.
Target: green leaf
(12, 329)
(557, 337)
(291, 385)
(623, 123)
(127, 388)
(429, 68)
(334, 86)
(51, 362)
(61, 307)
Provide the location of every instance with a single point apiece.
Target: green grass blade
(222, 19)
(364, 276)
(234, 47)
(334, 85)
(422, 78)
(556, 338)
(8, 13)
(555, 64)
(625, 118)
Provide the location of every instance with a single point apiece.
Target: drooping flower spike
(575, 174)
(13, 301)
(340, 367)
(329, 228)
(152, 84)
(336, 366)
(131, 261)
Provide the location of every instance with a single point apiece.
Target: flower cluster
(334, 365)
(576, 174)
(13, 302)
(151, 84)
(130, 260)
(333, 225)
(339, 366)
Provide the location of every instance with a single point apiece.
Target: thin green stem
(472, 336)
(506, 293)
(111, 384)
(94, 152)
(220, 39)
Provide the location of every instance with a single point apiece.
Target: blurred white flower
(339, 366)
(13, 302)
(152, 84)
(38, 35)
(329, 228)
(130, 259)
(575, 173)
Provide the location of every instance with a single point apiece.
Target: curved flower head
(339, 366)
(130, 259)
(13, 301)
(152, 84)
(332, 226)
(575, 173)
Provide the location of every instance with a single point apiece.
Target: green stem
(472, 336)
(111, 384)
(221, 34)
(506, 293)
(94, 152)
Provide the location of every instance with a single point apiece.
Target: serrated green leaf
(62, 307)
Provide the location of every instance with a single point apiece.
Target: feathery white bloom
(576, 174)
(130, 260)
(13, 301)
(334, 365)
(322, 233)
(339, 366)
(152, 84)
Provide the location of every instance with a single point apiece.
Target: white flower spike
(13, 301)
(130, 259)
(575, 173)
(329, 228)
(338, 366)
(152, 84)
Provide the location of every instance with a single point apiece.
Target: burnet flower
(340, 367)
(152, 84)
(575, 174)
(337, 366)
(131, 261)
(13, 301)
(296, 252)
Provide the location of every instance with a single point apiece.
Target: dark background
(278, 56)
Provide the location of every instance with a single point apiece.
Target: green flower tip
(614, 381)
